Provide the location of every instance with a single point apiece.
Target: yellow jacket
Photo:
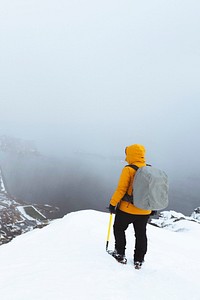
(135, 155)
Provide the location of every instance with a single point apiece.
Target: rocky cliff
(17, 217)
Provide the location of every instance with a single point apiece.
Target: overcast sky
(97, 75)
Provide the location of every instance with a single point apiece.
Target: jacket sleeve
(122, 188)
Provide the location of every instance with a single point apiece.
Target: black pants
(121, 223)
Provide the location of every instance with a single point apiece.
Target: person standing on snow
(126, 212)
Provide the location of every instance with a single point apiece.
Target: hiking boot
(137, 265)
(119, 257)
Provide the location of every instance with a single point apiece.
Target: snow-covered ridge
(172, 220)
(67, 260)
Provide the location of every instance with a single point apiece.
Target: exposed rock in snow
(17, 217)
(171, 219)
(196, 214)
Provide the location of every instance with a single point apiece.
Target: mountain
(67, 260)
(17, 217)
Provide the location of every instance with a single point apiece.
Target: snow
(171, 220)
(22, 210)
(67, 260)
(2, 186)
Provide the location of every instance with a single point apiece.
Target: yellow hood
(135, 154)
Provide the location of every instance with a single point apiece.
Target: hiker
(126, 212)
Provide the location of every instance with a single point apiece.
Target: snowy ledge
(174, 221)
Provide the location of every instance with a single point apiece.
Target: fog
(91, 77)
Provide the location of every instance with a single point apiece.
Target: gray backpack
(150, 188)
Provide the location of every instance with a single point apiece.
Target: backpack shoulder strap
(136, 167)
(133, 167)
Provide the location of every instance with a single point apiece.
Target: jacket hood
(135, 154)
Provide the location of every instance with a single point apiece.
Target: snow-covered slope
(67, 260)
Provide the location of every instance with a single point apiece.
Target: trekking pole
(108, 235)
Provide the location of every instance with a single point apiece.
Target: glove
(111, 209)
(153, 213)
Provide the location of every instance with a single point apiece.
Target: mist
(83, 80)
(69, 184)
(80, 181)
